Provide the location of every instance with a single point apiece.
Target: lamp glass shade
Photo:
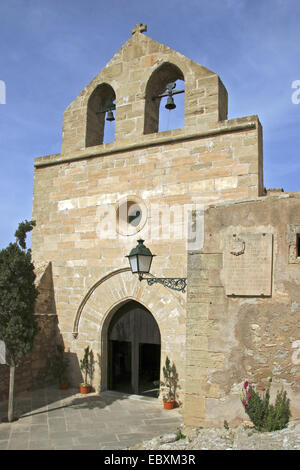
(144, 263)
(140, 258)
(133, 260)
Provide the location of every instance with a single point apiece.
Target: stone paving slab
(56, 419)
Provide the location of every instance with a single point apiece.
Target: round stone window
(131, 216)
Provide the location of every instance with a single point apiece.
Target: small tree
(87, 366)
(170, 384)
(18, 294)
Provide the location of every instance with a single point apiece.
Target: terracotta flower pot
(169, 405)
(85, 388)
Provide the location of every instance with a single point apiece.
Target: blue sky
(51, 49)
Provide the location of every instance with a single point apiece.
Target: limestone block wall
(89, 324)
(127, 74)
(231, 338)
(72, 195)
(78, 194)
(32, 373)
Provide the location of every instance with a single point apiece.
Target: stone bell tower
(126, 79)
(152, 175)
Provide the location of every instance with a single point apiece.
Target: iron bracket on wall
(175, 283)
(109, 107)
(170, 87)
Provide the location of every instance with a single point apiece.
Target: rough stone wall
(209, 160)
(45, 302)
(128, 73)
(233, 338)
(69, 199)
(100, 304)
(33, 372)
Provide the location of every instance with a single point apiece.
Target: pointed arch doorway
(134, 348)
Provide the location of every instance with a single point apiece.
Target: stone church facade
(197, 198)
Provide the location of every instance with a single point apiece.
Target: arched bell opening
(100, 126)
(133, 351)
(164, 112)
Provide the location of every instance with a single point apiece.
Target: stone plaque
(2, 352)
(248, 264)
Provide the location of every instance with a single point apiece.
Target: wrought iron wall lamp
(140, 260)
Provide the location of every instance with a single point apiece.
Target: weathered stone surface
(243, 437)
(166, 438)
(248, 336)
(168, 172)
(248, 264)
(34, 372)
(77, 198)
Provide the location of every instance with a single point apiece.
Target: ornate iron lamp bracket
(175, 283)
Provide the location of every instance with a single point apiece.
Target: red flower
(244, 402)
(245, 384)
(247, 406)
(249, 395)
(263, 389)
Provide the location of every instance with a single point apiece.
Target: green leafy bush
(265, 416)
(180, 435)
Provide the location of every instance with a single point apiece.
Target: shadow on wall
(75, 376)
(41, 367)
(34, 372)
(45, 303)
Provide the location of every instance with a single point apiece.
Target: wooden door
(131, 327)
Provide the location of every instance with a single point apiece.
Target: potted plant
(87, 367)
(59, 365)
(169, 385)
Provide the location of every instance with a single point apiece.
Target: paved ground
(50, 418)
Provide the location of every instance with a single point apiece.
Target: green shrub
(170, 384)
(87, 366)
(264, 416)
(180, 435)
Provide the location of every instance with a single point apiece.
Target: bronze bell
(170, 103)
(110, 116)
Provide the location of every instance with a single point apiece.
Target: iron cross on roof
(139, 28)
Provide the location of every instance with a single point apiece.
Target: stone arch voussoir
(109, 294)
(118, 287)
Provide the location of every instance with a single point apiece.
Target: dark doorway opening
(149, 366)
(134, 351)
(120, 366)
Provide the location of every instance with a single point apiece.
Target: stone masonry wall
(128, 73)
(69, 199)
(233, 338)
(212, 159)
(32, 373)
